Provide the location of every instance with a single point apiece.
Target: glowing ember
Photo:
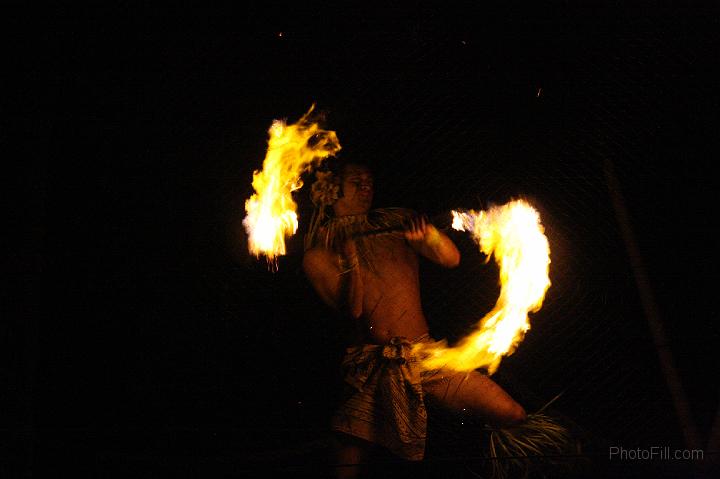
(292, 150)
(512, 233)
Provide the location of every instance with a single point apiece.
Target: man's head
(356, 187)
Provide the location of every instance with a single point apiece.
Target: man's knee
(479, 394)
(510, 415)
(349, 449)
(518, 414)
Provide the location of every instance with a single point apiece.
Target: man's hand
(349, 249)
(349, 258)
(431, 243)
(416, 228)
(419, 229)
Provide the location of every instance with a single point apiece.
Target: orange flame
(271, 211)
(512, 233)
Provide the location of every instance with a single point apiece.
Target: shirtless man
(384, 303)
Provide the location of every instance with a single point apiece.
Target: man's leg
(478, 394)
(349, 454)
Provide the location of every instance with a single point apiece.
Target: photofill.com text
(660, 453)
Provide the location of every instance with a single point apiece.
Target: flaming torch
(271, 211)
(513, 235)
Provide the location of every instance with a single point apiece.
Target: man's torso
(391, 298)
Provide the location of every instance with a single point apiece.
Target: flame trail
(292, 150)
(512, 233)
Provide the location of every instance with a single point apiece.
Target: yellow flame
(513, 235)
(271, 211)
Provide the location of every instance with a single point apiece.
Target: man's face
(357, 188)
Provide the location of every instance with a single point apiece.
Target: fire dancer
(364, 263)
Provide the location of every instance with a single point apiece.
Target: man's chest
(391, 259)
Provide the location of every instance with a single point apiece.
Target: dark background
(151, 344)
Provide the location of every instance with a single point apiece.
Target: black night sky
(150, 344)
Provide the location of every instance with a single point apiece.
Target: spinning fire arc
(513, 235)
